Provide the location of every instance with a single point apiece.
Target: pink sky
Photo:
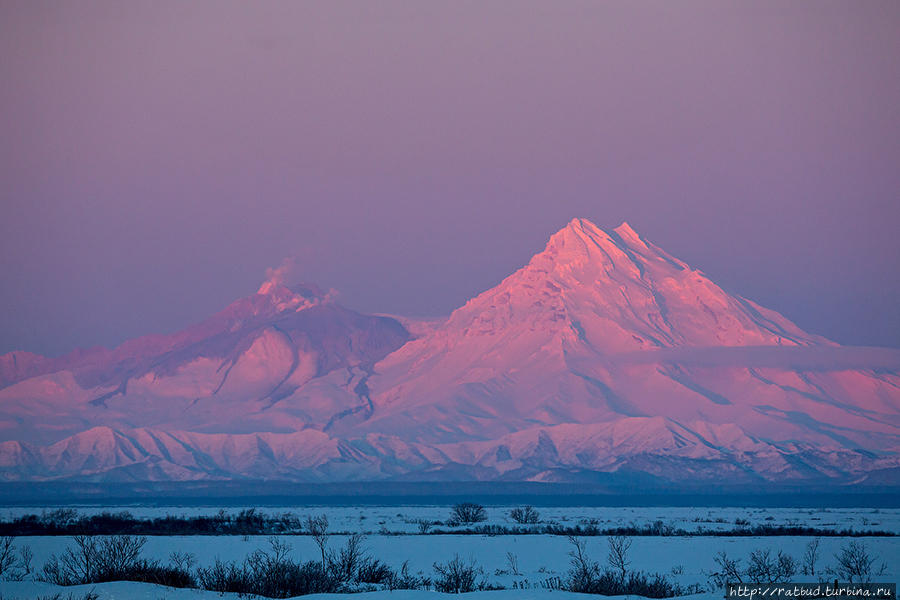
(157, 157)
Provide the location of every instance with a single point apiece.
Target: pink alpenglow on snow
(603, 359)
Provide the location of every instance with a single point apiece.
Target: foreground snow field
(539, 556)
(506, 560)
(144, 591)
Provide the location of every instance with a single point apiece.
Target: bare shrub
(269, 568)
(225, 577)
(424, 525)
(786, 567)
(586, 577)
(113, 558)
(810, 557)
(7, 556)
(468, 512)
(61, 517)
(513, 561)
(249, 521)
(729, 570)
(618, 554)
(182, 560)
(404, 580)
(118, 552)
(457, 576)
(584, 572)
(26, 556)
(762, 567)
(15, 565)
(269, 573)
(854, 564)
(93, 560)
(372, 570)
(91, 595)
(74, 568)
(765, 568)
(318, 529)
(525, 515)
(346, 561)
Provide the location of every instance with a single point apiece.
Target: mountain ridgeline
(603, 360)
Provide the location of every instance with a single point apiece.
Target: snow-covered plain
(539, 556)
(392, 536)
(391, 519)
(142, 591)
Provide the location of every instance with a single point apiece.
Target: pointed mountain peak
(295, 297)
(589, 231)
(630, 236)
(277, 291)
(581, 240)
(582, 227)
(577, 232)
(583, 237)
(626, 231)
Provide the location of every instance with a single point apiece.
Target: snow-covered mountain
(244, 369)
(604, 358)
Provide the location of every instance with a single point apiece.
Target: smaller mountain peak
(629, 235)
(578, 229)
(268, 287)
(292, 297)
(277, 278)
(579, 242)
(625, 230)
(580, 224)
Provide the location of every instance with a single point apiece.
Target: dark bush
(585, 572)
(468, 512)
(269, 573)
(86, 596)
(372, 570)
(345, 562)
(525, 515)
(762, 567)
(586, 577)
(765, 568)
(854, 564)
(457, 576)
(14, 565)
(149, 571)
(249, 521)
(94, 560)
(298, 579)
(636, 583)
(116, 558)
(225, 577)
(404, 580)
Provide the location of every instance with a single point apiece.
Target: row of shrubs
(68, 521)
(464, 518)
(269, 572)
(852, 563)
(272, 573)
(655, 529)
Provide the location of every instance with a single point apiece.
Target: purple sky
(158, 156)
